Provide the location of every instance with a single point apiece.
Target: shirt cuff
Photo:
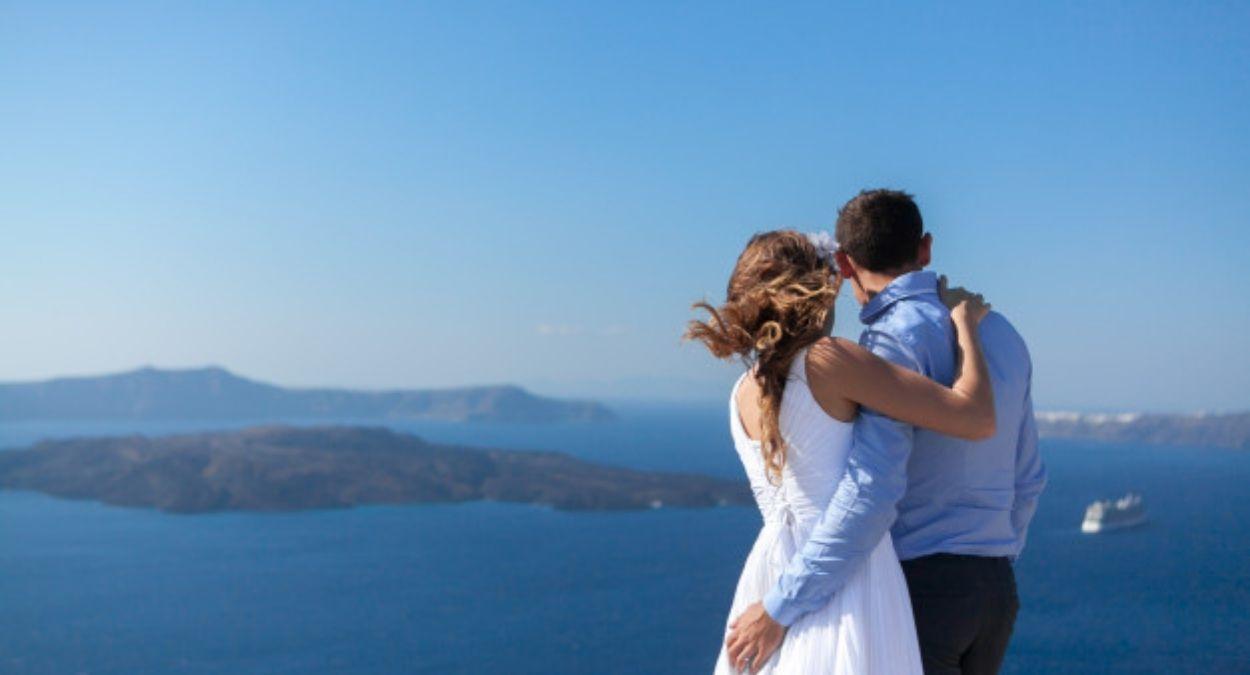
(781, 610)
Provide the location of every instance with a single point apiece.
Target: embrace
(916, 445)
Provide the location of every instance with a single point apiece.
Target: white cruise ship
(1106, 515)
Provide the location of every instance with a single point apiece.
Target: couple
(918, 444)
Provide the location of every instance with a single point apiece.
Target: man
(959, 511)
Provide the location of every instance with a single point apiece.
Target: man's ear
(924, 255)
(846, 268)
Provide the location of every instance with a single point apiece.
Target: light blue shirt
(934, 493)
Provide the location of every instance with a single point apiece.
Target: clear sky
(421, 194)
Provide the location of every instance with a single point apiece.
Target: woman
(791, 416)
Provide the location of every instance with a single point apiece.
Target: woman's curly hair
(780, 295)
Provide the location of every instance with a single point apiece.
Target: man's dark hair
(880, 229)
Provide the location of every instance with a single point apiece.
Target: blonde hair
(780, 294)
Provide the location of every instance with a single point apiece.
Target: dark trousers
(965, 608)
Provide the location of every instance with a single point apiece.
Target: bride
(791, 416)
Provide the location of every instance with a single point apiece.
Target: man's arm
(862, 508)
(1030, 474)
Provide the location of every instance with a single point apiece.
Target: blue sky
(376, 194)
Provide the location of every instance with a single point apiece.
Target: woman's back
(816, 449)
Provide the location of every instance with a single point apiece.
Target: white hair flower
(824, 243)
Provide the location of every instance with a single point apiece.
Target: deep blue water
(482, 588)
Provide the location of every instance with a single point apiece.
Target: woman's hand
(753, 637)
(967, 308)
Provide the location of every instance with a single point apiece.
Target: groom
(958, 510)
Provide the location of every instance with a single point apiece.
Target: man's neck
(875, 282)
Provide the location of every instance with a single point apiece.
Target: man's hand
(753, 637)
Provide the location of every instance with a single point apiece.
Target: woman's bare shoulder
(828, 361)
(830, 355)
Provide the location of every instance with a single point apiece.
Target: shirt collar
(906, 286)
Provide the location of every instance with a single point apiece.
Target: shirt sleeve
(1030, 475)
(862, 509)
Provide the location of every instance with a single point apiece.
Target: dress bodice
(816, 450)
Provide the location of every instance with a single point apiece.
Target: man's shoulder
(999, 336)
(997, 323)
(913, 322)
(913, 333)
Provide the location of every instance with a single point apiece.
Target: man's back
(964, 512)
(961, 494)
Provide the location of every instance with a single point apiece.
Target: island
(218, 394)
(293, 468)
(1230, 430)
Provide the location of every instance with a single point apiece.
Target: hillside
(1219, 431)
(287, 468)
(218, 394)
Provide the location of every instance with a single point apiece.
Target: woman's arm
(839, 370)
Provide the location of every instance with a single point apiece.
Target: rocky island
(289, 468)
(218, 394)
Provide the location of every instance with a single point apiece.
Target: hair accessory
(825, 244)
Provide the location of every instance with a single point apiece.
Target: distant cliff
(217, 394)
(286, 468)
(1219, 431)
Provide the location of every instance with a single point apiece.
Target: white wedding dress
(867, 627)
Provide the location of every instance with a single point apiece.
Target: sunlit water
(482, 588)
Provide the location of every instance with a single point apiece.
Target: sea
(505, 588)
